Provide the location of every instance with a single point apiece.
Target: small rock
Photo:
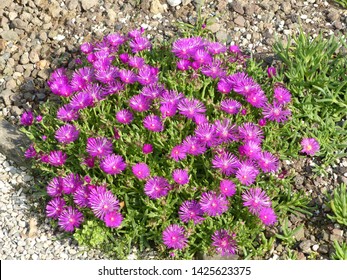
(88, 4)
(156, 7)
(333, 15)
(24, 59)
(315, 247)
(337, 232)
(20, 24)
(237, 7)
(34, 57)
(214, 27)
(174, 3)
(222, 36)
(59, 37)
(240, 20)
(11, 84)
(72, 4)
(9, 35)
(12, 15)
(186, 2)
(6, 96)
(300, 234)
(323, 249)
(305, 246)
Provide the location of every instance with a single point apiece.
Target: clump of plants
(315, 71)
(338, 204)
(166, 147)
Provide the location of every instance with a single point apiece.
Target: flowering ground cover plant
(169, 147)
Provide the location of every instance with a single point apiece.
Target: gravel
(37, 36)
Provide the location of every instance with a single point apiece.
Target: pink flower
(309, 146)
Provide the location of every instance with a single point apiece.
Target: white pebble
(315, 247)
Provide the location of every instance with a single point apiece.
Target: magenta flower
(81, 78)
(147, 75)
(107, 75)
(57, 158)
(180, 176)
(190, 108)
(309, 146)
(139, 44)
(30, 152)
(153, 123)
(227, 187)
(216, 48)
(157, 187)
(102, 201)
(191, 210)
(178, 152)
(136, 62)
(202, 57)
(206, 134)
(268, 216)
(124, 57)
(67, 134)
(141, 170)
(81, 100)
(99, 147)
(112, 164)
(230, 106)
(71, 182)
(271, 72)
(247, 173)
(70, 219)
(115, 39)
(213, 70)
(226, 162)
(276, 112)
(55, 187)
(226, 131)
(86, 47)
(224, 86)
(168, 110)
(234, 49)
(183, 64)
(170, 97)
(152, 91)
(127, 76)
(251, 149)
(268, 162)
(147, 149)
(251, 132)
(282, 95)
(27, 118)
(257, 99)
(193, 146)
(173, 237)
(224, 242)
(67, 113)
(184, 47)
(255, 199)
(81, 196)
(113, 219)
(213, 204)
(124, 116)
(55, 207)
(139, 103)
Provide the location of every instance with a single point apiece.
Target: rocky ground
(37, 36)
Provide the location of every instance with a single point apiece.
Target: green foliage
(287, 235)
(338, 204)
(343, 3)
(340, 251)
(316, 72)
